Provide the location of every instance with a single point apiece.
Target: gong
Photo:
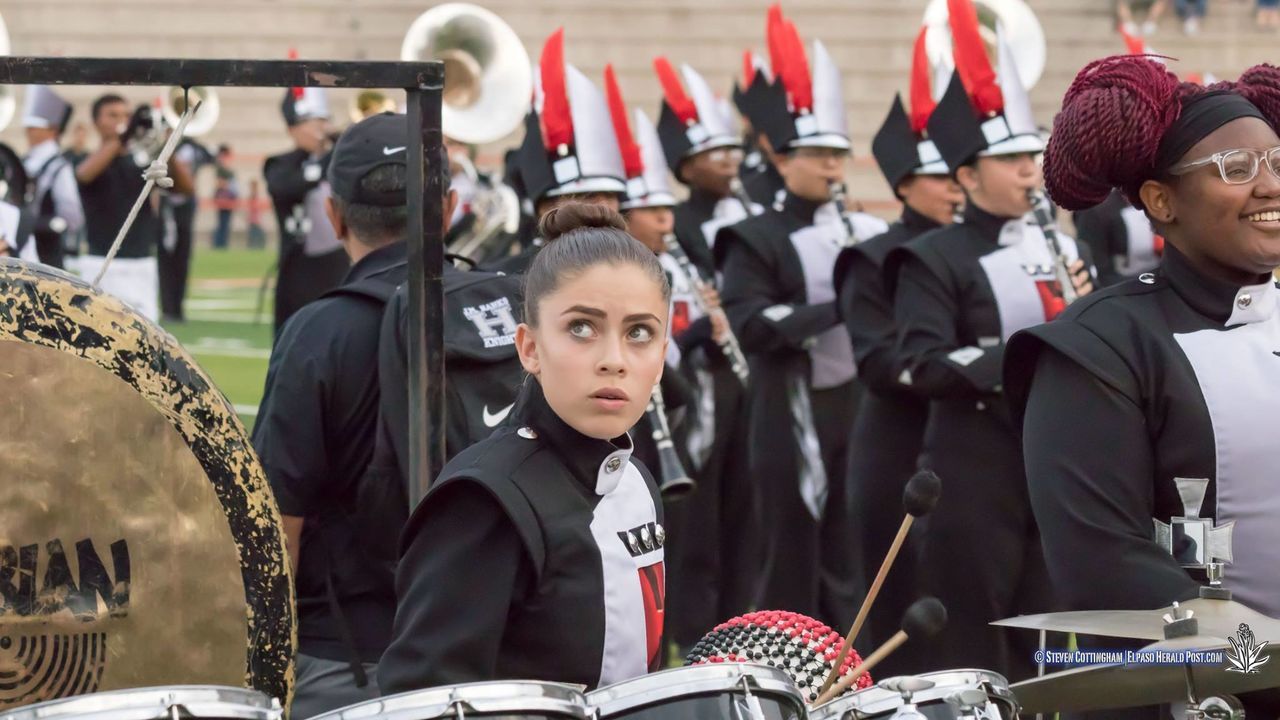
(140, 544)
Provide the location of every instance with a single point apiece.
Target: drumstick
(924, 618)
(918, 498)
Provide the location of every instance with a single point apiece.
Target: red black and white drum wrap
(802, 647)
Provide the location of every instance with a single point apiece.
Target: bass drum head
(140, 543)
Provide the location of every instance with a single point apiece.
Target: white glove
(159, 172)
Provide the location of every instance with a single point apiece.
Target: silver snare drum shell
(696, 691)
(505, 698)
(153, 703)
(877, 701)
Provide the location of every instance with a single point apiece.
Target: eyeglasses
(1237, 167)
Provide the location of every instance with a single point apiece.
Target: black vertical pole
(426, 290)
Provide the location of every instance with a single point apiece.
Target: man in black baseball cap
(316, 426)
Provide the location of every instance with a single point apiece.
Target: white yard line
(250, 410)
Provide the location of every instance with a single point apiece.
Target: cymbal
(1216, 618)
(139, 541)
(1108, 687)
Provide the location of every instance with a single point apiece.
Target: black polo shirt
(107, 201)
(315, 437)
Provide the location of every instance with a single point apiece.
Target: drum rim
(533, 695)
(995, 685)
(707, 679)
(151, 702)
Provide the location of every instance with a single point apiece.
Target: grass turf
(226, 332)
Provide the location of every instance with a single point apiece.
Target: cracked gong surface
(111, 434)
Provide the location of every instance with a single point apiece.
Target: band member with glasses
(1157, 398)
(780, 298)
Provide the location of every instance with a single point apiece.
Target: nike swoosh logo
(492, 419)
(392, 151)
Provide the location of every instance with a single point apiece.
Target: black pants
(175, 264)
(882, 458)
(982, 556)
(812, 566)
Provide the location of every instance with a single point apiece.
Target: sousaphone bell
(1012, 19)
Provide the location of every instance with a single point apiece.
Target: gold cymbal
(1216, 618)
(1109, 687)
(139, 542)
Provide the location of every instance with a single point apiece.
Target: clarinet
(1044, 219)
(729, 345)
(676, 482)
(740, 194)
(838, 197)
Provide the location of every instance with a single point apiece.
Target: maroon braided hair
(1113, 118)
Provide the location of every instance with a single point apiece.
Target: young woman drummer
(538, 553)
(1157, 397)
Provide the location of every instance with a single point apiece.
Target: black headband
(1200, 116)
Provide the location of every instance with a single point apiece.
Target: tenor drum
(509, 700)
(732, 691)
(946, 695)
(206, 702)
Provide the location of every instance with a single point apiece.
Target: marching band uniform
(704, 563)
(1177, 368)
(569, 147)
(961, 292)
(312, 260)
(891, 419)
(1120, 239)
(779, 296)
(538, 553)
(55, 197)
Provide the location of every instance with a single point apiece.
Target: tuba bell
(487, 75)
(488, 83)
(175, 104)
(369, 103)
(1012, 19)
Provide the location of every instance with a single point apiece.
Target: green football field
(226, 330)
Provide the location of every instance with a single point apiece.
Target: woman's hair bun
(1261, 85)
(1108, 132)
(574, 215)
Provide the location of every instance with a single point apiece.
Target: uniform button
(613, 464)
(982, 405)
(1147, 278)
(527, 433)
(660, 534)
(1245, 300)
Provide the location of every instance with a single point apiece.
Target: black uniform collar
(1224, 302)
(801, 209)
(988, 225)
(917, 221)
(379, 261)
(703, 202)
(597, 464)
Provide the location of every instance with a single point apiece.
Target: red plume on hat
(972, 63)
(632, 163)
(774, 33)
(922, 102)
(557, 121)
(748, 68)
(673, 92)
(796, 78)
(297, 91)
